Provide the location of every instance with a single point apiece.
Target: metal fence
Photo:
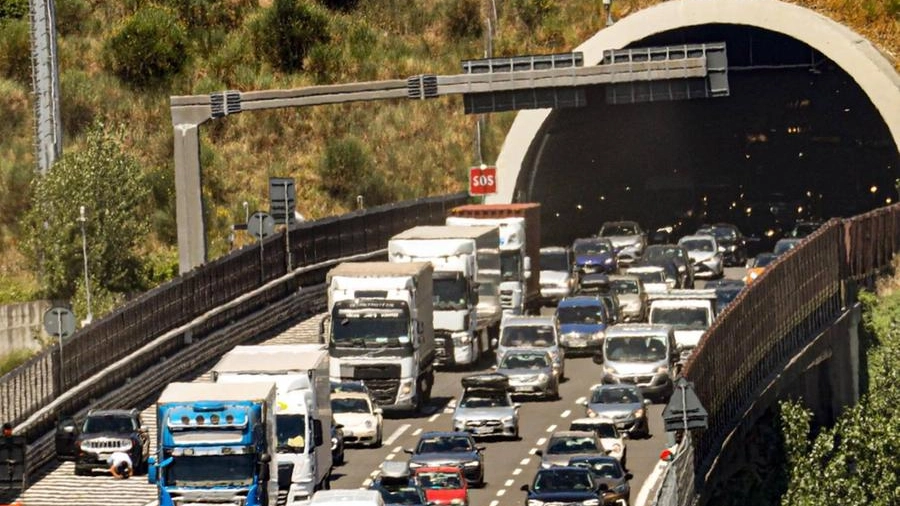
(39, 381)
(779, 313)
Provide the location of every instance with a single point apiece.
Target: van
(532, 333)
(644, 355)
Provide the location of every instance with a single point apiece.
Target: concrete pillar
(189, 198)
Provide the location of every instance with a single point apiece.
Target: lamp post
(607, 4)
(87, 279)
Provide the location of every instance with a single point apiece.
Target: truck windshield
(527, 336)
(681, 318)
(211, 471)
(557, 261)
(291, 429)
(510, 265)
(450, 293)
(635, 349)
(375, 329)
(580, 314)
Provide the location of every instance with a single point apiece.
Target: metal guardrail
(35, 384)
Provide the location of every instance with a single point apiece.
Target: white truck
(463, 259)
(689, 312)
(302, 409)
(380, 330)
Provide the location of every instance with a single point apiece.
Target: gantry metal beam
(189, 112)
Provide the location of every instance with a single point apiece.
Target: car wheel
(79, 471)
(339, 459)
(377, 443)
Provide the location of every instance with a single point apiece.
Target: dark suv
(102, 433)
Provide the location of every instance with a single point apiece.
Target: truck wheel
(81, 471)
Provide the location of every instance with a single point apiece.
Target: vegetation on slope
(111, 73)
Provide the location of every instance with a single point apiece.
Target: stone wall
(21, 325)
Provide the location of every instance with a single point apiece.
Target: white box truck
(303, 409)
(689, 312)
(464, 258)
(380, 330)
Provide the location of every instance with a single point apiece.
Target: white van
(640, 354)
(347, 498)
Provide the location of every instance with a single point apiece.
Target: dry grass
(889, 284)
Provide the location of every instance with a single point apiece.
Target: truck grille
(384, 391)
(638, 380)
(506, 298)
(106, 444)
(285, 473)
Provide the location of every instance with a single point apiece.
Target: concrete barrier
(21, 325)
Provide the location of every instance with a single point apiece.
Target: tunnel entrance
(796, 139)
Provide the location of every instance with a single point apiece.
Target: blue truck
(215, 444)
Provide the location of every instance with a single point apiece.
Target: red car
(443, 485)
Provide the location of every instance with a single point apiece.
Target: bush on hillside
(287, 31)
(13, 9)
(464, 19)
(148, 49)
(73, 17)
(347, 169)
(15, 50)
(77, 101)
(341, 5)
(532, 12)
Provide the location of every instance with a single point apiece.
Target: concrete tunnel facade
(520, 157)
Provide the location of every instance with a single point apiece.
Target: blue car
(582, 324)
(594, 254)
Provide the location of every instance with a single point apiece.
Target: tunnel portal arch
(871, 70)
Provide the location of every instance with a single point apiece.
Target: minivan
(640, 354)
(532, 333)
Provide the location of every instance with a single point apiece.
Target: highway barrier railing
(801, 293)
(40, 381)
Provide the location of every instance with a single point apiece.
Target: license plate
(483, 430)
(578, 344)
(103, 456)
(522, 389)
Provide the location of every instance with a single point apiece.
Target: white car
(605, 428)
(360, 420)
(704, 253)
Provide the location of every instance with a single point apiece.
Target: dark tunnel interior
(796, 139)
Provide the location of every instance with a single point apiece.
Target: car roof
(624, 277)
(697, 236)
(113, 412)
(638, 329)
(444, 433)
(619, 222)
(521, 321)
(554, 249)
(591, 240)
(592, 421)
(525, 351)
(617, 386)
(645, 268)
(572, 433)
(590, 458)
(580, 300)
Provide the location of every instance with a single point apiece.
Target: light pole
(607, 4)
(87, 279)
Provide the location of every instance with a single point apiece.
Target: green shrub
(14, 107)
(464, 19)
(73, 17)
(78, 101)
(13, 359)
(148, 49)
(341, 5)
(15, 50)
(13, 9)
(324, 63)
(347, 169)
(533, 12)
(287, 31)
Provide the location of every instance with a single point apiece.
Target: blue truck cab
(583, 320)
(215, 444)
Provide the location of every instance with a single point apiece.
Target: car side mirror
(378, 411)
(524, 488)
(407, 451)
(647, 402)
(151, 470)
(517, 405)
(539, 453)
(480, 448)
(598, 358)
(628, 476)
(604, 487)
(339, 426)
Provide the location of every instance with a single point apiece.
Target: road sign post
(482, 180)
(684, 411)
(261, 225)
(282, 196)
(60, 322)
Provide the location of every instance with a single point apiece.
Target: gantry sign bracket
(496, 83)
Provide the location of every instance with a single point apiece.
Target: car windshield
(784, 247)
(108, 423)
(724, 296)
(654, 276)
(449, 293)
(698, 245)
(435, 480)
(681, 318)
(523, 361)
(556, 261)
(592, 247)
(350, 405)
(571, 444)
(291, 430)
(401, 495)
(580, 314)
(804, 229)
(528, 336)
(764, 259)
(601, 468)
(603, 430)
(618, 229)
(614, 396)
(559, 480)
(485, 401)
(444, 444)
(725, 233)
(625, 286)
(635, 349)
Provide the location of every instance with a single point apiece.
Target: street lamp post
(87, 279)
(608, 5)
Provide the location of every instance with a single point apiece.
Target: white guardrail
(671, 483)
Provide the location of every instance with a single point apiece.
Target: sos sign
(483, 180)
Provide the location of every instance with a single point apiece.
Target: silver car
(485, 408)
(632, 297)
(623, 405)
(564, 445)
(627, 237)
(705, 254)
(532, 333)
(613, 441)
(530, 372)
(557, 279)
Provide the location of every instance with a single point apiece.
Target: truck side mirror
(317, 433)
(265, 458)
(151, 470)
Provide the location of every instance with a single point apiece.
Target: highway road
(508, 464)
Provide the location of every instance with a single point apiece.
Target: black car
(726, 291)
(103, 433)
(608, 472)
(732, 243)
(564, 485)
(449, 449)
(661, 254)
(803, 228)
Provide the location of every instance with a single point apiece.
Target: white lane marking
(367, 482)
(417, 431)
(532, 451)
(509, 483)
(397, 449)
(517, 471)
(580, 400)
(434, 417)
(390, 456)
(566, 413)
(494, 502)
(541, 441)
(452, 403)
(397, 433)
(374, 473)
(551, 428)
(501, 492)
(524, 462)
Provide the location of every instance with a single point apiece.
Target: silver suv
(532, 333)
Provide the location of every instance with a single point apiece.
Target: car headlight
(334, 443)
(600, 334)
(546, 465)
(457, 501)
(415, 464)
(609, 370)
(721, 248)
(591, 502)
(681, 268)
(542, 377)
(617, 448)
(471, 463)
(406, 387)
(368, 424)
(608, 261)
(662, 369)
(535, 502)
(754, 275)
(639, 413)
(461, 337)
(507, 419)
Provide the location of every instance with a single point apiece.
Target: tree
(288, 30)
(148, 49)
(109, 184)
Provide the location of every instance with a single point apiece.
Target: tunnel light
(873, 189)
(557, 215)
(808, 193)
(747, 156)
(628, 188)
(799, 209)
(602, 197)
(800, 154)
(749, 211)
(888, 200)
(578, 207)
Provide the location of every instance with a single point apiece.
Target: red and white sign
(483, 180)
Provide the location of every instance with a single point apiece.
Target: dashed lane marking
(397, 433)
(367, 482)
(390, 456)
(541, 441)
(434, 417)
(517, 471)
(501, 492)
(417, 431)
(532, 451)
(551, 428)
(509, 483)
(524, 462)
(566, 413)
(494, 502)
(580, 400)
